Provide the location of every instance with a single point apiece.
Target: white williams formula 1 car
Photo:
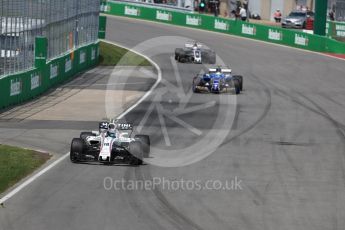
(194, 52)
(111, 144)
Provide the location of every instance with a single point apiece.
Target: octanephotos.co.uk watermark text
(162, 183)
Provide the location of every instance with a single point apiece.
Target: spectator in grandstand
(243, 14)
(331, 15)
(277, 16)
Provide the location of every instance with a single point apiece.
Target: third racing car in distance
(217, 80)
(111, 144)
(193, 52)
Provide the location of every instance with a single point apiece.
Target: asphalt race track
(282, 139)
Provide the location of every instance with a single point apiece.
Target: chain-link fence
(67, 24)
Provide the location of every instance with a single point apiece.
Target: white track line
(31, 179)
(152, 88)
(52, 165)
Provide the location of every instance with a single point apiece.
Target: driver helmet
(103, 127)
(195, 46)
(218, 70)
(111, 131)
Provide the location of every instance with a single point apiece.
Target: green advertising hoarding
(277, 35)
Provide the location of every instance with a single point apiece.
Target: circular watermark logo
(184, 127)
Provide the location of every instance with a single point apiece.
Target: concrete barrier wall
(24, 86)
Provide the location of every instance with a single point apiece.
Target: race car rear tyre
(240, 79)
(76, 150)
(178, 52)
(83, 135)
(136, 151)
(182, 59)
(236, 83)
(145, 143)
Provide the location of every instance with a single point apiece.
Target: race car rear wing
(120, 124)
(225, 71)
(191, 45)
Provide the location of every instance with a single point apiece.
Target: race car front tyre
(240, 79)
(195, 84)
(236, 83)
(145, 142)
(136, 151)
(194, 88)
(76, 150)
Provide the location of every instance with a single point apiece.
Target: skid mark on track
(340, 129)
(323, 112)
(261, 198)
(309, 104)
(290, 143)
(260, 118)
(134, 201)
(290, 160)
(213, 214)
(334, 101)
(173, 215)
(317, 109)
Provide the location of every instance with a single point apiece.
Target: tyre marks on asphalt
(165, 214)
(138, 202)
(339, 127)
(267, 107)
(309, 104)
(181, 220)
(283, 144)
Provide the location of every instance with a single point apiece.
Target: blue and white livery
(217, 80)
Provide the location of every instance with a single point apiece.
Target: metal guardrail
(67, 24)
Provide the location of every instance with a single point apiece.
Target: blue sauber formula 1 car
(217, 80)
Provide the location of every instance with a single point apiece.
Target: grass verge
(111, 55)
(17, 163)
